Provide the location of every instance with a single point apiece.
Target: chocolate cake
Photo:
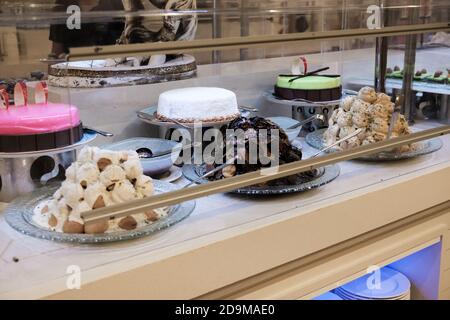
(251, 127)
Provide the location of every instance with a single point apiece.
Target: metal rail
(230, 184)
(101, 52)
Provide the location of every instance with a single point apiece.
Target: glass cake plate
(19, 215)
(148, 115)
(325, 175)
(315, 140)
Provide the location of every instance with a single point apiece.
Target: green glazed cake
(311, 88)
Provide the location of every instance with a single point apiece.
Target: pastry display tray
(429, 87)
(19, 215)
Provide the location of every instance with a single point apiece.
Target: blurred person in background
(91, 33)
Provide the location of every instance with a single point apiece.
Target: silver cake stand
(303, 109)
(94, 73)
(23, 172)
(166, 128)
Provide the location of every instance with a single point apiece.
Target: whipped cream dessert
(99, 178)
(198, 104)
(370, 111)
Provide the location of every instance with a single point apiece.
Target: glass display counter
(376, 97)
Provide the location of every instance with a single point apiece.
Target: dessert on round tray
(242, 164)
(251, 128)
(99, 178)
(373, 114)
(308, 86)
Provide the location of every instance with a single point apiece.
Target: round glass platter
(19, 215)
(315, 140)
(324, 176)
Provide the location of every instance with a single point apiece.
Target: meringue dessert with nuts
(99, 178)
(370, 111)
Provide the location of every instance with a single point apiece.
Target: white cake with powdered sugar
(198, 104)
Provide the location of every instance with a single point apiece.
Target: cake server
(215, 170)
(354, 134)
(394, 117)
(100, 132)
(311, 119)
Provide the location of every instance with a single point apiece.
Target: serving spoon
(100, 132)
(310, 119)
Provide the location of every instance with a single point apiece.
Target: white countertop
(41, 267)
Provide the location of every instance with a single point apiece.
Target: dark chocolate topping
(40, 142)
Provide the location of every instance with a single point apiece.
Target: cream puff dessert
(370, 111)
(99, 178)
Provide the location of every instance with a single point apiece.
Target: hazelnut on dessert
(152, 215)
(96, 195)
(73, 227)
(229, 171)
(96, 228)
(52, 221)
(102, 163)
(99, 203)
(128, 223)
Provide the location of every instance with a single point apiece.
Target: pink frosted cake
(35, 127)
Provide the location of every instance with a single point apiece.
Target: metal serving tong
(310, 119)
